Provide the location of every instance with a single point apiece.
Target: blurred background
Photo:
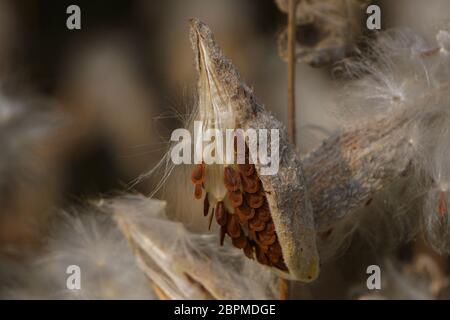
(113, 91)
(84, 112)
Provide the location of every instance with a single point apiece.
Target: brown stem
(284, 289)
(291, 69)
(284, 284)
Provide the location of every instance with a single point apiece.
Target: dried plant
(327, 30)
(402, 86)
(225, 102)
(229, 231)
(186, 265)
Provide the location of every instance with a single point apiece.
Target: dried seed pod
(186, 265)
(198, 191)
(225, 99)
(198, 174)
(221, 214)
(231, 179)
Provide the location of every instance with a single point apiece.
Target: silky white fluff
(187, 265)
(91, 240)
(400, 75)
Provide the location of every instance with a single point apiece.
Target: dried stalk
(284, 284)
(291, 70)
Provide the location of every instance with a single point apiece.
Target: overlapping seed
(247, 221)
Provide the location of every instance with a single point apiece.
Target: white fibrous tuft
(403, 77)
(186, 265)
(91, 241)
(436, 217)
(400, 71)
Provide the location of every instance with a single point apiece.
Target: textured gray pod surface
(351, 166)
(285, 190)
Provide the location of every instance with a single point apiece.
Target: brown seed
(248, 250)
(261, 256)
(240, 242)
(254, 200)
(252, 234)
(246, 169)
(267, 238)
(256, 224)
(198, 191)
(264, 213)
(236, 198)
(198, 174)
(275, 252)
(251, 183)
(270, 227)
(243, 219)
(231, 179)
(221, 214)
(233, 227)
(206, 205)
(244, 212)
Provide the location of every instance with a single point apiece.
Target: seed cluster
(247, 221)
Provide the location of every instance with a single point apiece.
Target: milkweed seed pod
(185, 265)
(327, 30)
(396, 114)
(268, 216)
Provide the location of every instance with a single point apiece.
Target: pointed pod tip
(211, 63)
(199, 31)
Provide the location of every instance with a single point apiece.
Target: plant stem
(284, 289)
(291, 69)
(284, 284)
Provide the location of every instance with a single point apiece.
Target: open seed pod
(184, 265)
(266, 214)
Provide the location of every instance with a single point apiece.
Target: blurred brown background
(83, 113)
(118, 86)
